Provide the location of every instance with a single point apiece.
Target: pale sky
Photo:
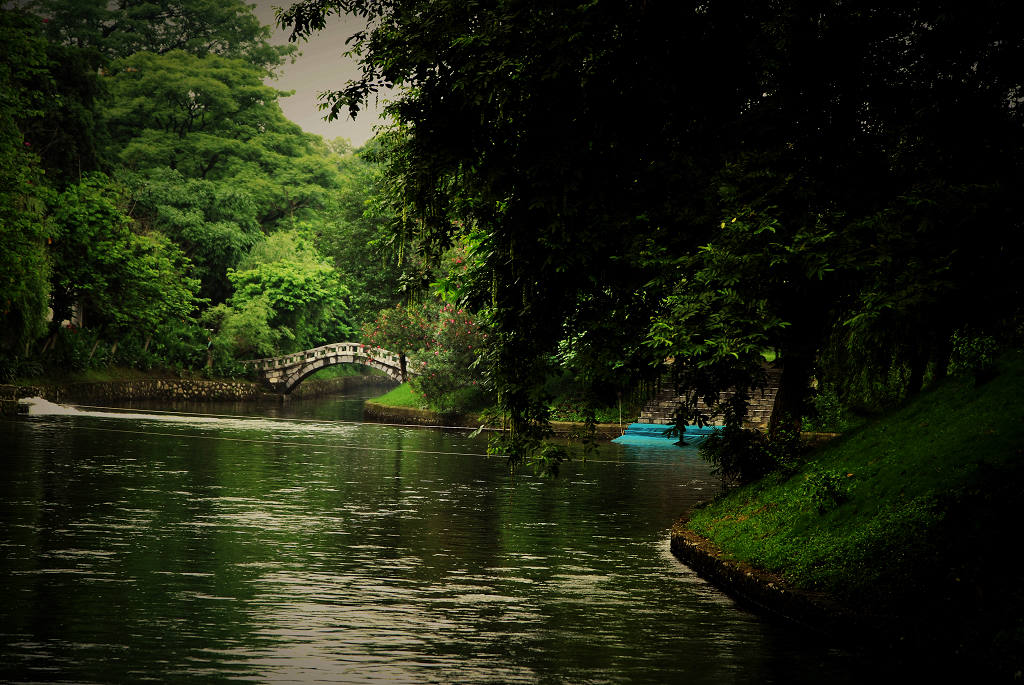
(322, 66)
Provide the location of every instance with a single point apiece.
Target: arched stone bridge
(282, 374)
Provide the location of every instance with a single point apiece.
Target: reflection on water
(298, 547)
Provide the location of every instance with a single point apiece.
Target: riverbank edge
(892, 642)
(384, 413)
(767, 592)
(173, 389)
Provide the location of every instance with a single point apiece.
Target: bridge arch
(283, 374)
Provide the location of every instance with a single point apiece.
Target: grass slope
(401, 396)
(914, 517)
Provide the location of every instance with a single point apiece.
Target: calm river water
(280, 544)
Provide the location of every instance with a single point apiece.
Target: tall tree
(123, 280)
(512, 120)
(877, 147)
(286, 297)
(116, 30)
(215, 162)
(599, 146)
(353, 231)
(214, 222)
(24, 269)
(186, 112)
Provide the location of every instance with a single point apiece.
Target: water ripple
(184, 548)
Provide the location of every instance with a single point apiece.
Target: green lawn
(914, 514)
(401, 396)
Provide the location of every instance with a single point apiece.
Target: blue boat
(656, 435)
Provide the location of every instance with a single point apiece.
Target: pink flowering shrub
(403, 329)
(450, 374)
(442, 343)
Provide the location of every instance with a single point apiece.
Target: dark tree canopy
(869, 152)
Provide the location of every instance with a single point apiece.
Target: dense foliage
(603, 187)
(440, 347)
(24, 269)
(285, 295)
(157, 206)
(405, 329)
(832, 184)
(449, 366)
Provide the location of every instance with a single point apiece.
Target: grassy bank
(401, 396)
(563, 411)
(912, 518)
(411, 406)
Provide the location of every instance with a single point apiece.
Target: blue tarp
(653, 434)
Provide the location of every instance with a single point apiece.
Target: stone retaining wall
(152, 389)
(8, 400)
(603, 431)
(170, 389)
(173, 389)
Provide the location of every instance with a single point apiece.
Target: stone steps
(660, 409)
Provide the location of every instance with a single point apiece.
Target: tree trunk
(916, 381)
(940, 359)
(789, 399)
(402, 364)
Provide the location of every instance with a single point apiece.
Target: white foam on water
(37, 406)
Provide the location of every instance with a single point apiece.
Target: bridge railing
(356, 349)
